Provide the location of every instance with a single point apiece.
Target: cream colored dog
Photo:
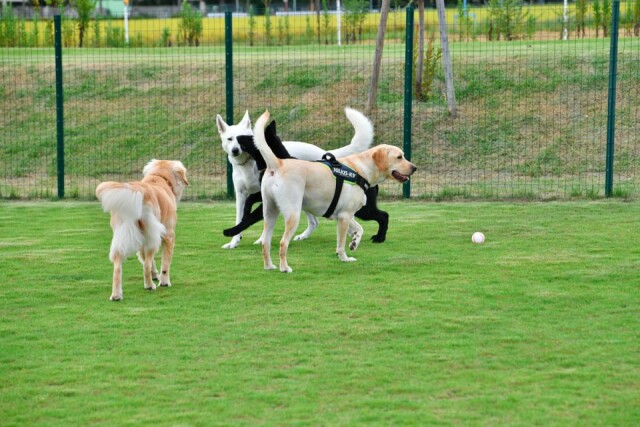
(143, 216)
(290, 186)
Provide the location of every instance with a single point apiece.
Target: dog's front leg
(343, 227)
(241, 199)
(355, 231)
(168, 243)
(116, 288)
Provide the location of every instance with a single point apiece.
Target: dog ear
(183, 176)
(246, 121)
(222, 126)
(380, 158)
(180, 170)
(149, 166)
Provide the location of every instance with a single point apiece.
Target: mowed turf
(540, 325)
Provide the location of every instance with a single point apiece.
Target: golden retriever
(143, 216)
(290, 186)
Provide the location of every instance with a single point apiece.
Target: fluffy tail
(128, 214)
(362, 138)
(261, 143)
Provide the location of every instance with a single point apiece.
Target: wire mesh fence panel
(27, 123)
(531, 98)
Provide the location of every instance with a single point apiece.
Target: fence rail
(532, 108)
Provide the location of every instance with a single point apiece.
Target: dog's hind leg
(311, 226)
(168, 244)
(116, 288)
(290, 225)
(343, 227)
(154, 269)
(270, 211)
(147, 270)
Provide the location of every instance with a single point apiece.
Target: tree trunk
(420, 62)
(377, 60)
(446, 58)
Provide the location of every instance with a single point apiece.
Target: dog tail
(131, 221)
(260, 141)
(363, 137)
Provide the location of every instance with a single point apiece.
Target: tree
(446, 58)
(85, 9)
(377, 60)
(420, 53)
(353, 19)
(582, 8)
(597, 15)
(190, 26)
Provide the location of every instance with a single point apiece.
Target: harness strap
(330, 160)
(336, 197)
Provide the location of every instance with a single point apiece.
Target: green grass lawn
(540, 325)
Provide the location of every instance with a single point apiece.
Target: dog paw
(115, 298)
(150, 288)
(303, 236)
(270, 267)
(230, 245)
(286, 269)
(258, 242)
(165, 285)
(377, 238)
(344, 258)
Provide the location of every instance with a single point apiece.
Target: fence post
(408, 94)
(228, 66)
(611, 111)
(57, 19)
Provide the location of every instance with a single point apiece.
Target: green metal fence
(532, 108)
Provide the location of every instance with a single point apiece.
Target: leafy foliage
(355, 15)
(506, 19)
(190, 27)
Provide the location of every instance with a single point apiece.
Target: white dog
(246, 177)
(290, 186)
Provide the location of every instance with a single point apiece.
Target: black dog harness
(342, 173)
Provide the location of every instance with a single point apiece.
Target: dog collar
(246, 161)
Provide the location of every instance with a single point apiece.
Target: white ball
(477, 237)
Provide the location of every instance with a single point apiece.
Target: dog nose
(235, 151)
(413, 168)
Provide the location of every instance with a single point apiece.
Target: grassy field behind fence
(538, 326)
(531, 124)
(149, 32)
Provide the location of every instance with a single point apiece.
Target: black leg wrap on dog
(247, 221)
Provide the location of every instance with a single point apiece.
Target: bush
(506, 19)
(190, 27)
(8, 27)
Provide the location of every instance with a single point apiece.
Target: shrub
(85, 9)
(582, 8)
(190, 27)
(8, 27)
(430, 68)
(506, 19)
(354, 19)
